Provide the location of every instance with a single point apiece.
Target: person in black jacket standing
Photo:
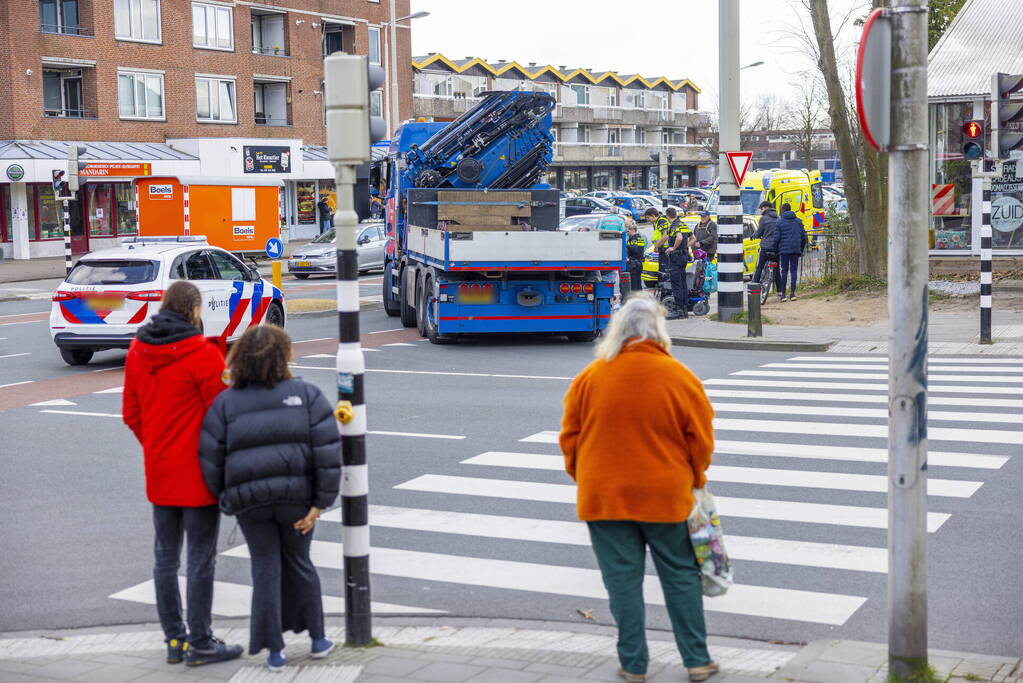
(768, 248)
(790, 238)
(270, 450)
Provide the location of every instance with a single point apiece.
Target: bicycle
(768, 277)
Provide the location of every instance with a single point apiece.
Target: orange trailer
(233, 215)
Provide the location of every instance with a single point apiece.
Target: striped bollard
(985, 264)
(67, 239)
(729, 256)
(351, 369)
(187, 213)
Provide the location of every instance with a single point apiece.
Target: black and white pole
(347, 102)
(729, 211)
(730, 287)
(985, 263)
(67, 239)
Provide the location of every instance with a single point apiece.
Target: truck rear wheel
(587, 336)
(390, 305)
(408, 313)
(423, 298)
(428, 314)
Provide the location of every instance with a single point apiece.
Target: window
(338, 38)
(59, 16)
(126, 216)
(271, 103)
(215, 100)
(137, 20)
(99, 199)
(211, 27)
(228, 266)
(584, 134)
(374, 45)
(376, 103)
(113, 272)
(198, 267)
(140, 95)
(268, 34)
(582, 94)
(45, 214)
(640, 135)
(63, 95)
(5, 213)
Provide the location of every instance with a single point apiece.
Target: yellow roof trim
(534, 74)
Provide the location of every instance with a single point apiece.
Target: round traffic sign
(274, 247)
(1006, 214)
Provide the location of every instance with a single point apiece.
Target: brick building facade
(203, 81)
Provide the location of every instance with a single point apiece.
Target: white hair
(641, 318)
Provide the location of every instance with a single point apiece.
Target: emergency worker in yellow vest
(635, 248)
(660, 236)
(677, 252)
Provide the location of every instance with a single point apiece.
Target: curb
(750, 344)
(331, 312)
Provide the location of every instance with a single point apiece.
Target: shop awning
(983, 39)
(105, 151)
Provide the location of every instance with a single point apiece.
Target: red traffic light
(973, 129)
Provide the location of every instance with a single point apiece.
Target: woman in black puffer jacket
(270, 451)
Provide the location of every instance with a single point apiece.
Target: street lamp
(750, 66)
(394, 62)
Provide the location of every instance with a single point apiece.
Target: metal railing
(828, 257)
(274, 51)
(70, 113)
(266, 120)
(65, 30)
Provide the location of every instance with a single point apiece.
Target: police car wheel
(275, 316)
(76, 356)
(301, 276)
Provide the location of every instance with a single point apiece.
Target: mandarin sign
(115, 169)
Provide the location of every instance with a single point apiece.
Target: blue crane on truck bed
(474, 245)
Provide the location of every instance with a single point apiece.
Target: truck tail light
(577, 288)
(588, 288)
(565, 288)
(64, 296)
(148, 295)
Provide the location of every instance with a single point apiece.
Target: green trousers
(620, 548)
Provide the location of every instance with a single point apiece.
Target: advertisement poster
(267, 159)
(306, 202)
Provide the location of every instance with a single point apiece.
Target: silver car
(320, 258)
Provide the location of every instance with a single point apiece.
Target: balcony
(65, 30)
(442, 106)
(624, 152)
(69, 113)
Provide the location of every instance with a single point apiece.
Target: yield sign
(739, 163)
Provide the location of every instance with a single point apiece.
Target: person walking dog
(636, 478)
(270, 450)
(171, 376)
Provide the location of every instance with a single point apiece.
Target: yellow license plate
(303, 264)
(105, 303)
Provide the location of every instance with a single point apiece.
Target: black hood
(791, 215)
(771, 212)
(166, 327)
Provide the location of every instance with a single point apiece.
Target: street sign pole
(908, 217)
(67, 238)
(729, 207)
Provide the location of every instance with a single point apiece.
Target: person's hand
(670, 249)
(306, 524)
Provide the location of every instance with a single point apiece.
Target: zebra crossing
(799, 476)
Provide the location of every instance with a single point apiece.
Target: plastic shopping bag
(709, 545)
(710, 279)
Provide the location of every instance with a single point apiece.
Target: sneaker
(781, 299)
(631, 678)
(321, 648)
(276, 661)
(702, 673)
(211, 651)
(176, 650)
(792, 298)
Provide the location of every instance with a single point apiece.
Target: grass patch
(742, 318)
(838, 284)
(970, 676)
(373, 642)
(308, 305)
(923, 673)
(933, 296)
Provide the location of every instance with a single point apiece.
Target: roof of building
(562, 74)
(983, 39)
(106, 151)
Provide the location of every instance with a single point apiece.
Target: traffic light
(1006, 118)
(973, 140)
(74, 165)
(58, 183)
(350, 127)
(656, 156)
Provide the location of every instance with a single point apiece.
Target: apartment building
(211, 88)
(606, 124)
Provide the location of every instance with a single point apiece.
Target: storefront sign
(1006, 214)
(15, 172)
(109, 170)
(245, 232)
(161, 191)
(267, 159)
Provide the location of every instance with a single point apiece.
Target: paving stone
(11, 677)
(853, 652)
(499, 663)
(111, 674)
(122, 658)
(375, 678)
(562, 679)
(831, 672)
(389, 665)
(66, 669)
(446, 671)
(497, 675)
(556, 670)
(730, 678)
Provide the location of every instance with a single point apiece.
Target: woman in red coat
(171, 376)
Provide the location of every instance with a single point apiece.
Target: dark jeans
(285, 587)
(201, 526)
(620, 548)
(763, 260)
(636, 275)
(789, 272)
(679, 285)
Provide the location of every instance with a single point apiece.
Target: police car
(110, 293)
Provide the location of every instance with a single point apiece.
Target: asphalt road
(473, 517)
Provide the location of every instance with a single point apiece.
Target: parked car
(110, 293)
(575, 206)
(655, 202)
(634, 206)
(647, 193)
(583, 222)
(600, 194)
(319, 257)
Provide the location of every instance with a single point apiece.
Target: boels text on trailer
(239, 216)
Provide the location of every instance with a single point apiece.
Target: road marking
(15, 355)
(21, 315)
(393, 329)
(318, 339)
(55, 402)
(80, 412)
(14, 384)
(878, 413)
(758, 601)
(435, 372)
(851, 366)
(111, 390)
(875, 359)
(542, 437)
(416, 435)
(778, 510)
(863, 430)
(755, 549)
(931, 389)
(320, 355)
(815, 452)
(235, 600)
(862, 398)
(116, 367)
(869, 375)
(838, 481)
(399, 344)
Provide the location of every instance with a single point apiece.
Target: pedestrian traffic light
(74, 165)
(1006, 117)
(973, 140)
(58, 183)
(351, 127)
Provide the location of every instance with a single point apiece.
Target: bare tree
(805, 117)
(766, 113)
(709, 142)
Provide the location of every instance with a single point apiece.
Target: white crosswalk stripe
(802, 431)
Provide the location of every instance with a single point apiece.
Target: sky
(672, 38)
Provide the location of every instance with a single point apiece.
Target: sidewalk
(452, 649)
